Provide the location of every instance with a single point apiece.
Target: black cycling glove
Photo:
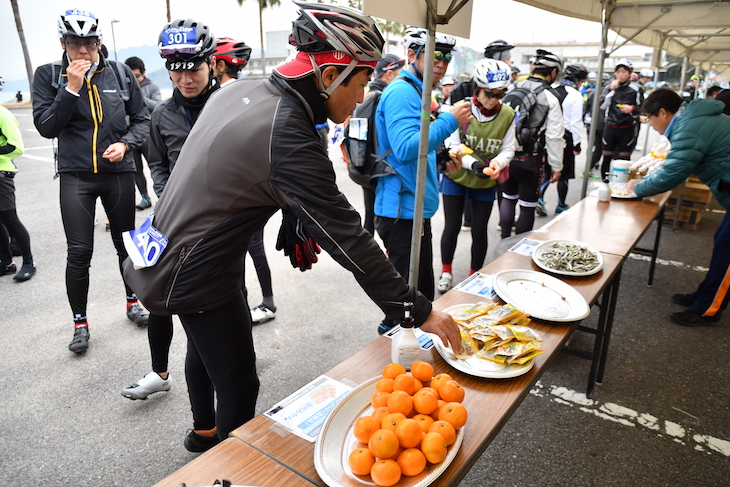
(301, 249)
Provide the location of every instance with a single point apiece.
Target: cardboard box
(683, 225)
(689, 218)
(672, 204)
(695, 192)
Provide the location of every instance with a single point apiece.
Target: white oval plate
(476, 366)
(537, 253)
(336, 441)
(541, 295)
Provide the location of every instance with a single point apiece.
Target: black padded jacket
(255, 150)
(87, 124)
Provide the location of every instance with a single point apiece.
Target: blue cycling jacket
(398, 122)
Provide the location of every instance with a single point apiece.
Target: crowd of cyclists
(225, 155)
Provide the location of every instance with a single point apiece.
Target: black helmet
(185, 44)
(495, 47)
(547, 59)
(576, 71)
(327, 28)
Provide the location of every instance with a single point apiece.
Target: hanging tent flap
(699, 29)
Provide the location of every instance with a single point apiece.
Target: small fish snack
(565, 256)
(497, 333)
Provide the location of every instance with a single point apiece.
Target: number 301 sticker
(144, 244)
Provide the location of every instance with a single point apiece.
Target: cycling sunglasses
(498, 96)
(180, 54)
(89, 45)
(442, 56)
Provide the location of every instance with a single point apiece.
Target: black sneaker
(7, 268)
(685, 300)
(692, 319)
(136, 313)
(144, 203)
(80, 342)
(199, 444)
(385, 326)
(26, 272)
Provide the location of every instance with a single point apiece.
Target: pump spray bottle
(405, 348)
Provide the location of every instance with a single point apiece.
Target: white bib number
(144, 244)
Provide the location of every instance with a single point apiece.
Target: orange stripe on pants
(719, 295)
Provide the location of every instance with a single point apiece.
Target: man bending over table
(700, 137)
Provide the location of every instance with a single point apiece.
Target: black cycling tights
(79, 192)
(221, 362)
(258, 254)
(453, 209)
(617, 142)
(10, 224)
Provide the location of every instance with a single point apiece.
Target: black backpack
(529, 115)
(364, 164)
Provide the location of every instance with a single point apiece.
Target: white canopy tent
(698, 30)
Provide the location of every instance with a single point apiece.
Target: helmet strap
(325, 93)
(413, 65)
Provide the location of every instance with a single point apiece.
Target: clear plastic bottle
(405, 348)
(604, 192)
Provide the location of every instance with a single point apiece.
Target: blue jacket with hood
(398, 122)
(700, 138)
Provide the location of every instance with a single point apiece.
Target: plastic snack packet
(491, 356)
(523, 359)
(469, 345)
(523, 333)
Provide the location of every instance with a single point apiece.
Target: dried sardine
(563, 256)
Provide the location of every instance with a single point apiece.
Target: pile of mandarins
(411, 425)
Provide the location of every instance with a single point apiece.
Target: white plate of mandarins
(392, 430)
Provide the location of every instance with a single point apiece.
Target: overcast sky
(140, 22)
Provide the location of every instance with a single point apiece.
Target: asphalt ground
(660, 418)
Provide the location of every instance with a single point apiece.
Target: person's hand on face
(76, 71)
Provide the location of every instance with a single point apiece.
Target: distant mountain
(154, 65)
(148, 54)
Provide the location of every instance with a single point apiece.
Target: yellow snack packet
(510, 349)
(462, 149)
(491, 356)
(523, 333)
(469, 345)
(524, 358)
(470, 313)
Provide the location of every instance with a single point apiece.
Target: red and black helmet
(232, 51)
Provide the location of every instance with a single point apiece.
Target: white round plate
(540, 295)
(620, 187)
(336, 441)
(537, 253)
(476, 366)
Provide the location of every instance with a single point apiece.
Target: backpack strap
(122, 79)
(57, 80)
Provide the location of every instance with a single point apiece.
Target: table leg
(655, 250)
(614, 286)
(598, 344)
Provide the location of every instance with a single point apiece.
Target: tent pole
(605, 16)
(683, 76)
(417, 229)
